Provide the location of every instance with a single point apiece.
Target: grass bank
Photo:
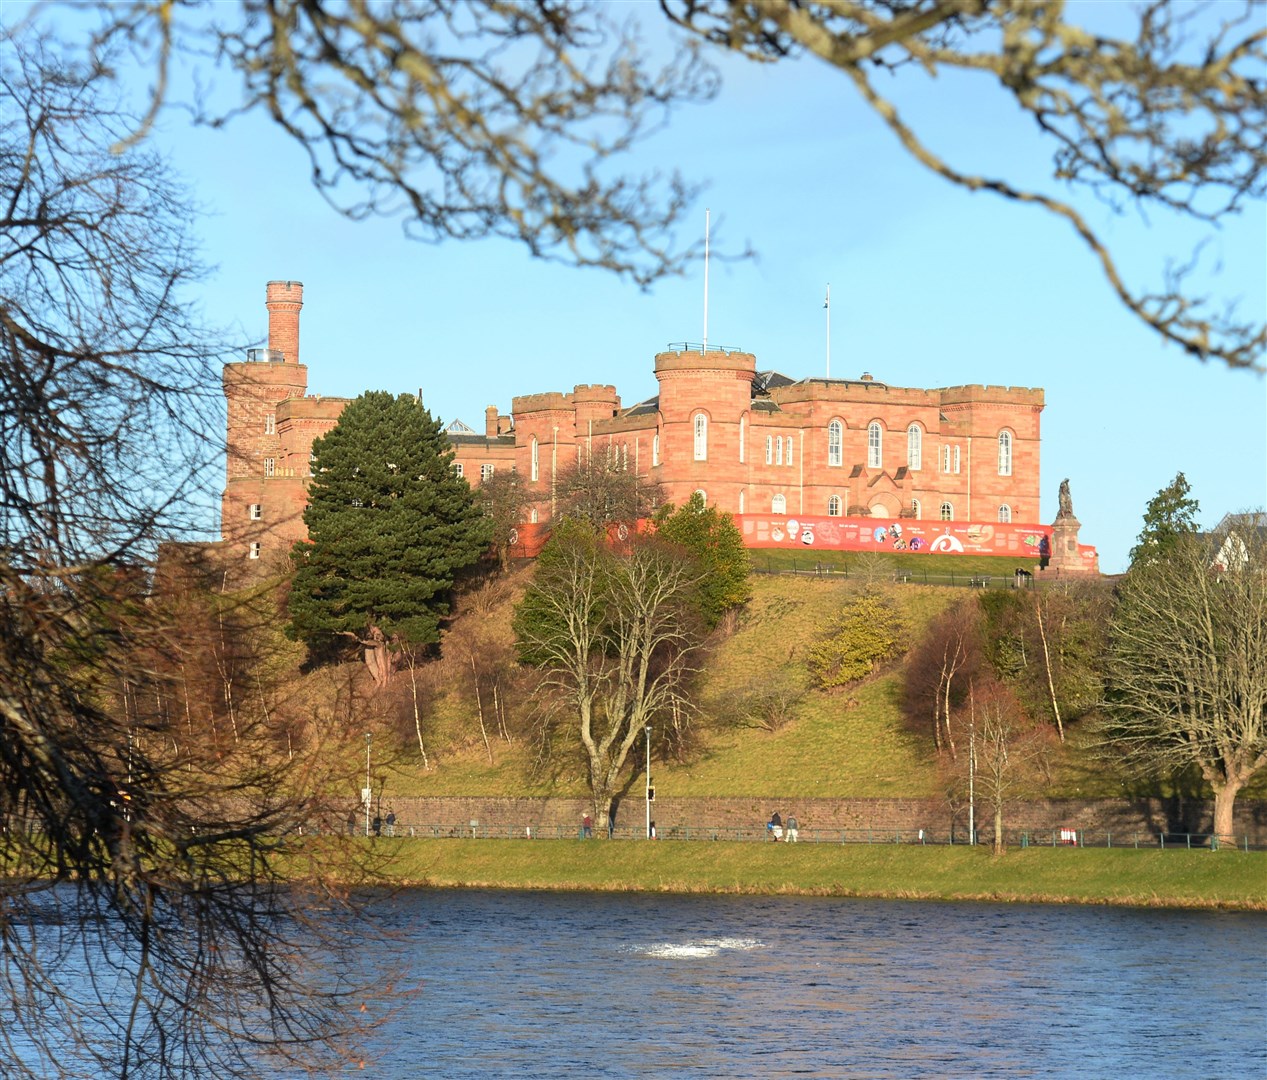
(1231, 880)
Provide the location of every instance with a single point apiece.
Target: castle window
(769, 449)
(702, 494)
(945, 459)
(270, 466)
(743, 436)
(534, 459)
(701, 437)
(655, 449)
(256, 511)
(875, 444)
(1005, 512)
(741, 502)
(270, 424)
(457, 467)
(778, 450)
(778, 505)
(1005, 454)
(835, 437)
(915, 509)
(255, 551)
(789, 449)
(914, 447)
(947, 512)
(486, 472)
(624, 457)
(833, 506)
(956, 458)
(532, 515)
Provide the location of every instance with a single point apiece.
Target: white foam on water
(691, 950)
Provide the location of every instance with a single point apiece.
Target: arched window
(701, 437)
(947, 512)
(835, 437)
(532, 516)
(535, 472)
(875, 444)
(741, 502)
(624, 457)
(914, 447)
(915, 509)
(833, 506)
(778, 450)
(743, 436)
(955, 452)
(778, 505)
(945, 459)
(1005, 454)
(1005, 512)
(789, 449)
(702, 494)
(769, 449)
(655, 449)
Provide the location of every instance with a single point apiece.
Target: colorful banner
(894, 534)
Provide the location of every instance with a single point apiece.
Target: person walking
(391, 822)
(776, 826)
(587, 827)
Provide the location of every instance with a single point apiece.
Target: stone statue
(1066, 502)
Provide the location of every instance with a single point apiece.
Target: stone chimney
(284, 300)
(490, 422)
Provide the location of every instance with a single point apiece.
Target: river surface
(504, 984)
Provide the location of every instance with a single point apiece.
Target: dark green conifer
(390, 526)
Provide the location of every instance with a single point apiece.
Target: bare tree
(615, 633)
(491, 117)
(505, 499)
(149, 920)
(1187, 683)
(601, 490)
(1005, 746)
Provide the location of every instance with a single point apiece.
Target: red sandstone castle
(754, 442)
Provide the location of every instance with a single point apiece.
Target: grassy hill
(820, 744)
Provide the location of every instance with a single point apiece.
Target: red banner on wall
(894, 534)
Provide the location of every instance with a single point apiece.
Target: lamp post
(972, 781)
(367, 792)
(647, 729)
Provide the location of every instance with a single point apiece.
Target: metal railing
(1057, 837)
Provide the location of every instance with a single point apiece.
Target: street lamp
(647, 729)
(367, 792)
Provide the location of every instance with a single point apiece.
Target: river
(523, 985)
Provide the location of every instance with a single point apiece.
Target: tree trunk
(1051, 683)
(998, 829)
(1224, 803)
(479, 707)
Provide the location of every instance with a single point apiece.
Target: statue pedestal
(1066, 558)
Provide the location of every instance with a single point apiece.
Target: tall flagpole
(707, 224)
(827, 305)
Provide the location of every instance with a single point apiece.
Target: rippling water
(582, 985)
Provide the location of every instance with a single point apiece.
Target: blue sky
(931, 285)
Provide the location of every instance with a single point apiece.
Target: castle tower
(705, 398)
(253, 505)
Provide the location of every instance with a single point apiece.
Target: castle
(772, 450)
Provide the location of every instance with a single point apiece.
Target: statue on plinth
(1066, 501)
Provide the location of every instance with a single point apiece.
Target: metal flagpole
(707, 226)
(827, 305)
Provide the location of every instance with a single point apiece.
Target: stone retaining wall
(1123, 817)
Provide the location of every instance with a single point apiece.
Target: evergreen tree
(1169, 516)
(714, 541)
(390, 526)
